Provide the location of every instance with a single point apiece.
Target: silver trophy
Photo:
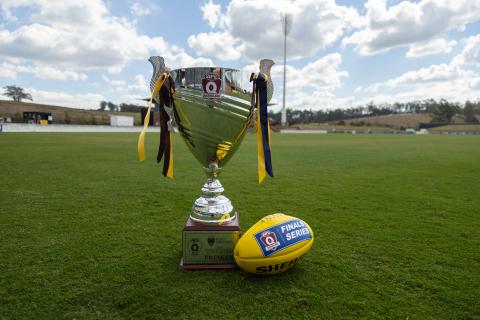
(212, 108)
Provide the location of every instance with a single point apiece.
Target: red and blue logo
(281, 236)
(269, 240)
(211, 85)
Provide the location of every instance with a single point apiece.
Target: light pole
(286, 26)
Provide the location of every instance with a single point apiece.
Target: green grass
(88, 232)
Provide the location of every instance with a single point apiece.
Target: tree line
(16, 93)
(122, 107)
(442, 110)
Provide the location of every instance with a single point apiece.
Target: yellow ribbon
(170, 163)
(224, 217)
(141, 137)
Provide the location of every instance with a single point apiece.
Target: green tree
(469, 112)
(112, 106)
(103, 105)
(444, 110)
(67, 118)
(17, 94)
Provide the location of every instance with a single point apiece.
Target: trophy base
(207, 246)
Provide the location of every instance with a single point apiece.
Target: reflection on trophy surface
(212, 108)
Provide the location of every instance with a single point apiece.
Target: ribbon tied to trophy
(261, 94)
(163, 90)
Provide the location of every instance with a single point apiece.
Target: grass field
(87, 232)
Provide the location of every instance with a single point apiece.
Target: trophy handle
(158, 64)
(265, 67)
(164, 98)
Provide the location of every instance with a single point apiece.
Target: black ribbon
(165, 99)
(261, 100)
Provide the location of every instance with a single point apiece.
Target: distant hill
(397, 121)
(15, 111)
(392, 122)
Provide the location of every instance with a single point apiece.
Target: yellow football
(273, 245)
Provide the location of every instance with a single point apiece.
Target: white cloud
(216, 44)
(458, 90)
(433, 73)
(455, 81)
(315, 25)
(63, 40)
(138, 9)
(8, 71)
(127, 91)
(59, 98)
(118, 83)
(320, 101)
(475, 83)
(212, 13)
(184, 60)
(139, 84)
(7, 5)
(370, 88)
(42, 72)
(256, 29)
(136, 91)
(47, 72)
(458, 68)
(321, 75)
(470, 54)
(310, 87)
(431, 47)
(405, 23)
(80, 34)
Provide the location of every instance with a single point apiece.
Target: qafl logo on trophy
(269, 240)
(211, 85)
(195, 246)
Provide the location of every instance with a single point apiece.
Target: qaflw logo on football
(269, 240)
(281, 236)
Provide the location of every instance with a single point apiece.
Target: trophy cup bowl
(212, 109)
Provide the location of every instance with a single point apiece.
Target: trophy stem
(212, 207)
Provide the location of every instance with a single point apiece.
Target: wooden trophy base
(209, 246)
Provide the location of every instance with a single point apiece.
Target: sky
(341, 54)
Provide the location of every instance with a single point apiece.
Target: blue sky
(342, 53)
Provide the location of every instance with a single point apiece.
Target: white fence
(303, 131)
(121, 121)
(25, 127)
